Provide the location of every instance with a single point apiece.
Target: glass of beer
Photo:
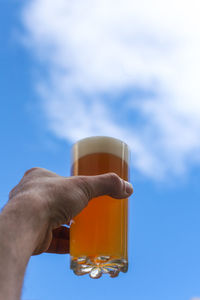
(98, 235)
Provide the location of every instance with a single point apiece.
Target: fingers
(106, 184)
(60, 241)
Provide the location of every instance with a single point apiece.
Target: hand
(48, 201)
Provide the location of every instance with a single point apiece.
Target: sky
(119, 68)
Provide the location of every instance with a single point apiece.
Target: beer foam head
(100, 144)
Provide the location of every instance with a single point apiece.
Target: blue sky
(40, 88)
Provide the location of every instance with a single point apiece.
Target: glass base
(99, 265)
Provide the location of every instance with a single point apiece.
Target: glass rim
(90, 145)
(100, 137)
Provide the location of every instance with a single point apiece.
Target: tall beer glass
(98, 235)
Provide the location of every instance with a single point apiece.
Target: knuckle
(26, 184)
(12, 192)
(115, 180)
(31, 170)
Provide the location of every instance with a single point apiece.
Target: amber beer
(98, 235)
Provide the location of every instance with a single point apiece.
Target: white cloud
(109, 61)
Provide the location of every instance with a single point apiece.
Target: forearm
(18, 236)
(12, 267)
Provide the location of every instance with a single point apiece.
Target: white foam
(100, 144)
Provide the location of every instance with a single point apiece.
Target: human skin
(30, 223)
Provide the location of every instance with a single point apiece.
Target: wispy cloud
(127, 69)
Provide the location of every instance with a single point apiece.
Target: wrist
(20, 228)
(19, 232)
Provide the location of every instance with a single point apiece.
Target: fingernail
(128, 187)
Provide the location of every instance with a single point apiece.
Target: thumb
(106, 184)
